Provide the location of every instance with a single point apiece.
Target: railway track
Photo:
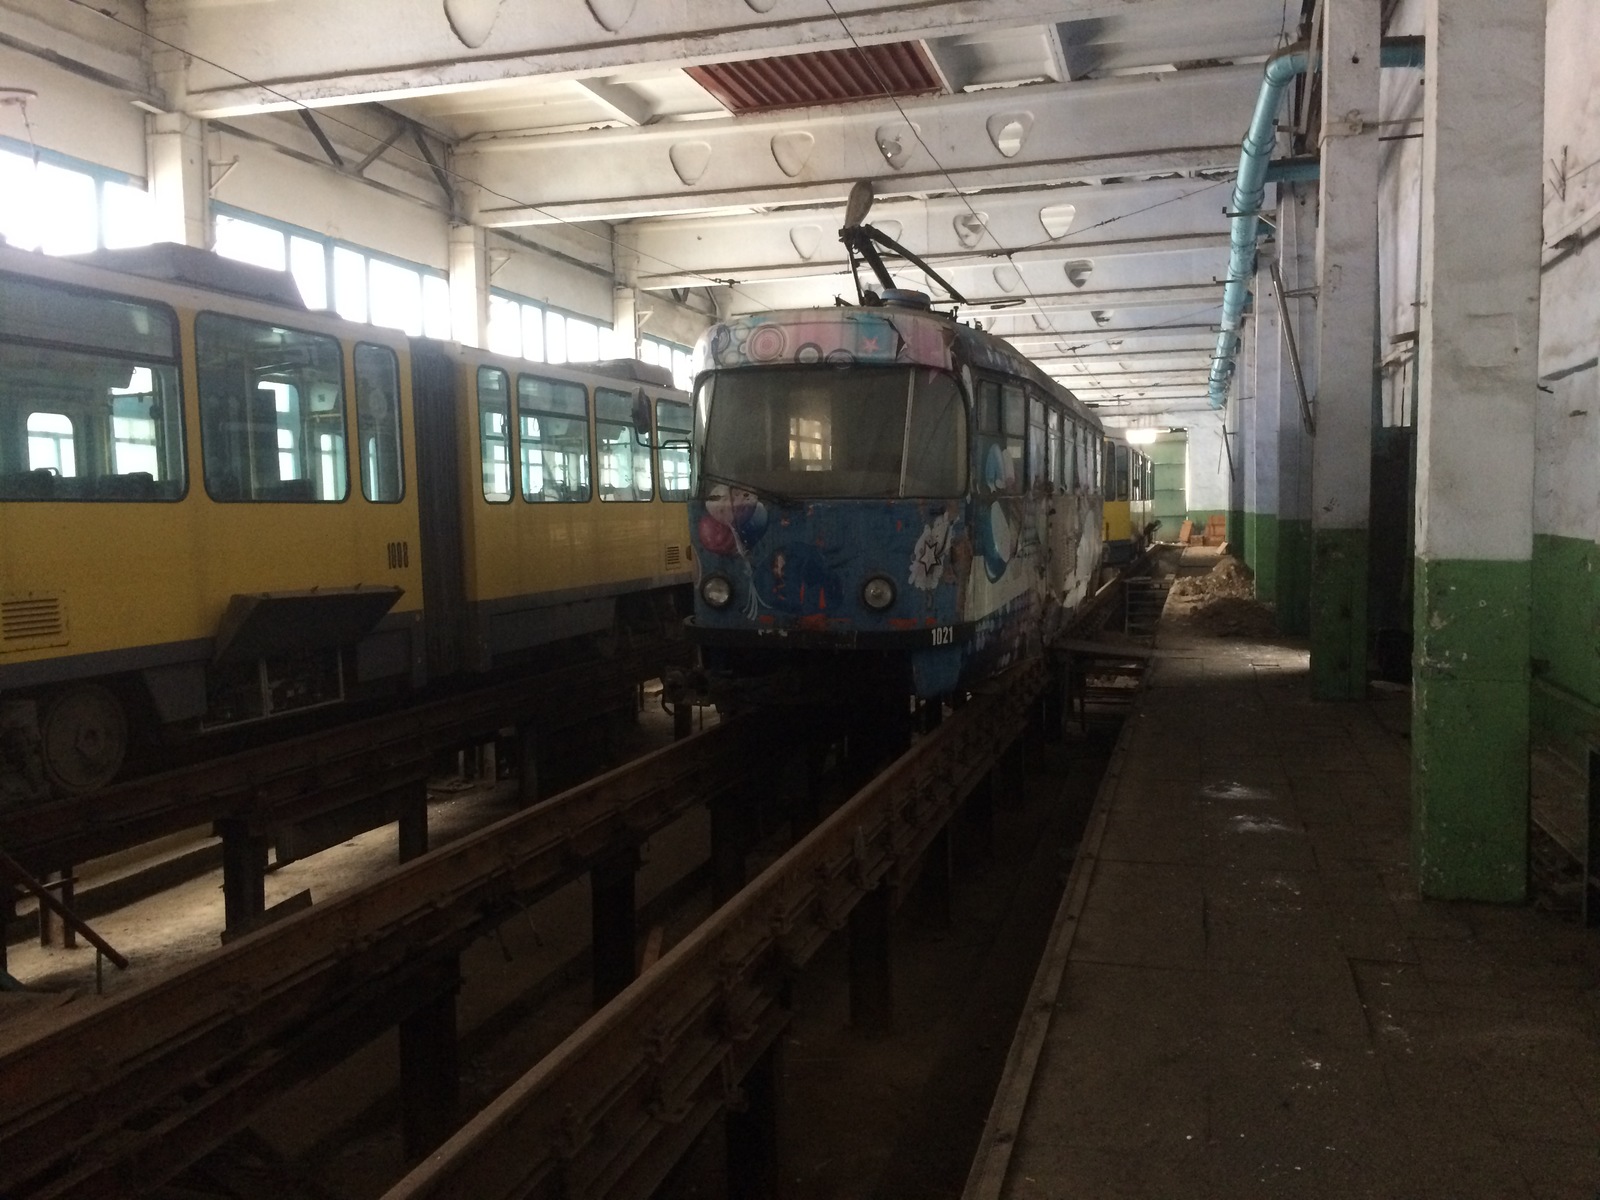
(121, 1095)
(616, 1105)
(375, 767)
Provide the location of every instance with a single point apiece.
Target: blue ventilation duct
(1250, 189)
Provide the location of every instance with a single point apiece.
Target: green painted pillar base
(1236, 529)
(1469, 730)
(1294, 577)
(1261, 550)
(1339, 614)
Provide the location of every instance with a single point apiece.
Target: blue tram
(883, 492)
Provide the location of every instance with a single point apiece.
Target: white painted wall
(1208, 484)
(1567, 478)
(72, 115)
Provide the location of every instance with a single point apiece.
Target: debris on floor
(1222, 602)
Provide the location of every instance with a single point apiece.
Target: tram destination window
(624, 459)
(553, 439)
(272, 421)
(378, 432)
(865, 432)
(89, 401)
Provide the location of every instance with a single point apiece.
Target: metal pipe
(1250, 189)
(1286, 319)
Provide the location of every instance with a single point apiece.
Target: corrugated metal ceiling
(820, 77)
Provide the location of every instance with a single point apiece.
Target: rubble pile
(1222, 602)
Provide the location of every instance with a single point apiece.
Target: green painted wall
(1564, 644)
(1294, 577)
(1339, 614)
(1469, 729)
(1261, 553)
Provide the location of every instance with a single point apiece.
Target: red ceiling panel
(821, 77)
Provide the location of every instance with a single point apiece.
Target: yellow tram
(1129, 490)
(217, 507)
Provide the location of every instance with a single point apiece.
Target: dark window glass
(815, 432)
(553, 421)
(494, 434)
(624, 458)
(674, 423)
(272, 424)
(378, 431)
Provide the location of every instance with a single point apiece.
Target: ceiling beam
(1073, 132)
(386, 49)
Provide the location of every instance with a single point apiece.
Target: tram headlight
(716, 591)
(877, 593)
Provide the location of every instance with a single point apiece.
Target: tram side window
(553, 441)
(1120, 469)
(624, 459)
(272, 422)
(1001, 423)
(94, 414)
(1053, 456)
(378, 433)
(494, 434)
(1037, 472)
(936, 440)
(674, 424)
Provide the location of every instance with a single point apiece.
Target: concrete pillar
(1347, 255)
(469, 285)
(175, 153)
(1483, 125)
(1297, 226)
(1236, 429)
(1207, 482)
(625, 320)
(614, 921)
(430, 1071)
(754, 1130)
(244, 871)
(411, 832)
(1261, 458)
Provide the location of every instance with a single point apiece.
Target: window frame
(399, 419)
(587, 421)
(175, 364)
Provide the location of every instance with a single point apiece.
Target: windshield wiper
(760, 493)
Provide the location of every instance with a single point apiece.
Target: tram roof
(886, 335)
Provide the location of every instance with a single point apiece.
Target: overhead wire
(1002, 250)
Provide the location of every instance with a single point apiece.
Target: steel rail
(299, 777)
(117, 1096)
(611, 1109)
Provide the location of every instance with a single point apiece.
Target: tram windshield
(835, 432)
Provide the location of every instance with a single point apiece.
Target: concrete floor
(1257, 1003)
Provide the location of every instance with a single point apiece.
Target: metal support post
(413, 824)
(682, 720)
(613, 917)
(527, 740)
(938, 879)
(753, 1130)
(871, 973)
(730, 841)
(244, 871)
(430, 1072)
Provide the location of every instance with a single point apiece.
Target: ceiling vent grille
(821, 77)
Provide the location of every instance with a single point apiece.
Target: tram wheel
(83, 736)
